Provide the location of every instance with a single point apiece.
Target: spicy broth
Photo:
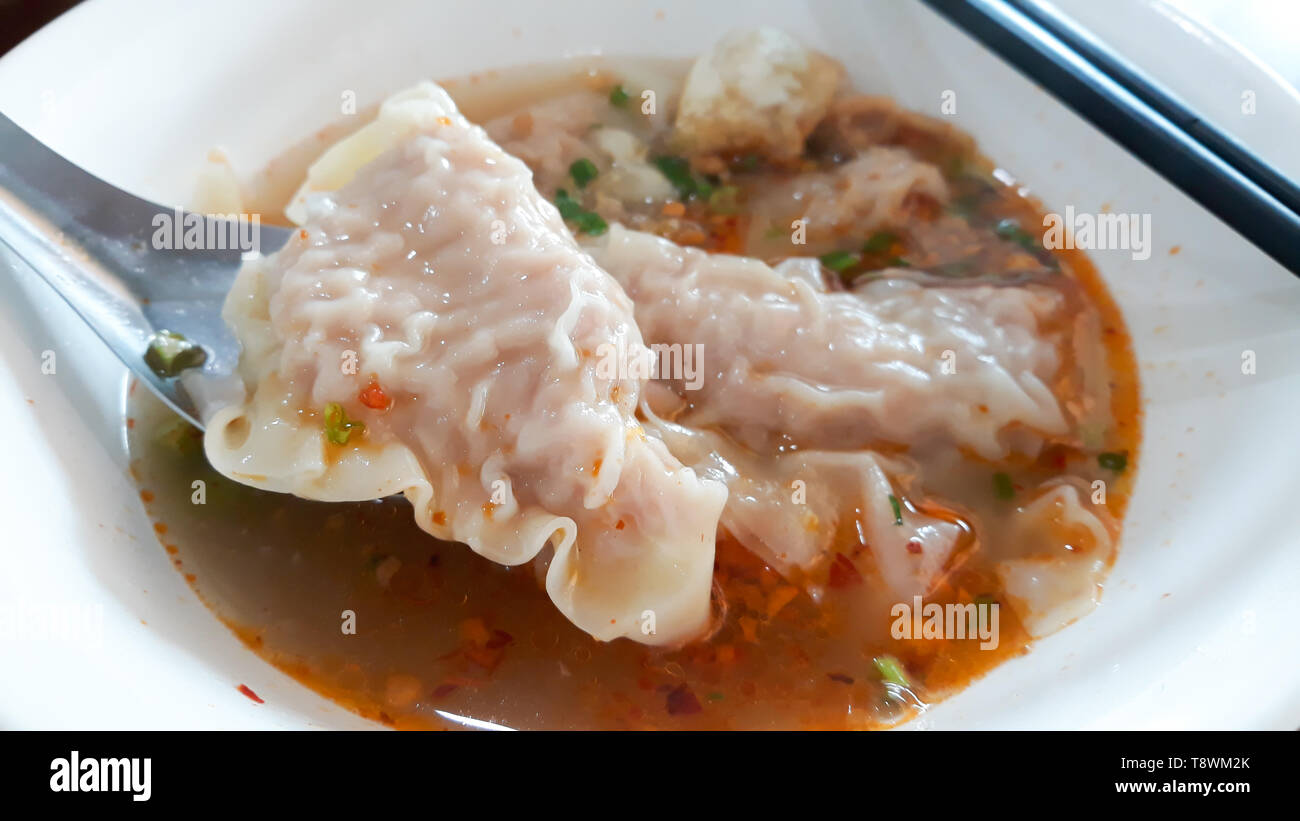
(441, 632)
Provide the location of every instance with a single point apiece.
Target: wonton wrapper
(801, 383)
(439, 271)
(1050, 590)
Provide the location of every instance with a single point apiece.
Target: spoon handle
(113, 257)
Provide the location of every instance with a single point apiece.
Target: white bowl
(1195, 629)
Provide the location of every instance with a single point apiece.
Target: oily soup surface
(355, 601)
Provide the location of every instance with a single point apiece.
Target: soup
(870, 206)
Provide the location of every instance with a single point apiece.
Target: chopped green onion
(716, 696)
(1113, 461)
(338, 427)
(618, 96)
(589, 222)
(569, 207)
(899, 262)
(749, 162)
(678, 172)
(898, 509)
(879, 242)
(891, 670)
(839, 261)
(583, 171)
(169, 353)
(1002, 486)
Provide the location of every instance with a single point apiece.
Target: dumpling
(1051, 589)
(883, 187)
(400, 116)
(434, 330)
(756, 90)
(891, 363)
(792, 508)
(871, 191)
(803, 388)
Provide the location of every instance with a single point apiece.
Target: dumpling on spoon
(433, 329)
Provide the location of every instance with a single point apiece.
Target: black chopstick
(1218, 172)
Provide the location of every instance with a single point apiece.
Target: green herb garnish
(899, 262)
(839, 261)
(678, 172)
(569, 207)
(716, 696)
(169, 353)
(583, 171)
(1002, 487)
(618, 96)
(891, 670)
(588, 222)
(879, 242)
(338, 427)
(1117, 461)
(898, 509)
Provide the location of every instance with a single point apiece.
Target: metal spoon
(101, 249)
